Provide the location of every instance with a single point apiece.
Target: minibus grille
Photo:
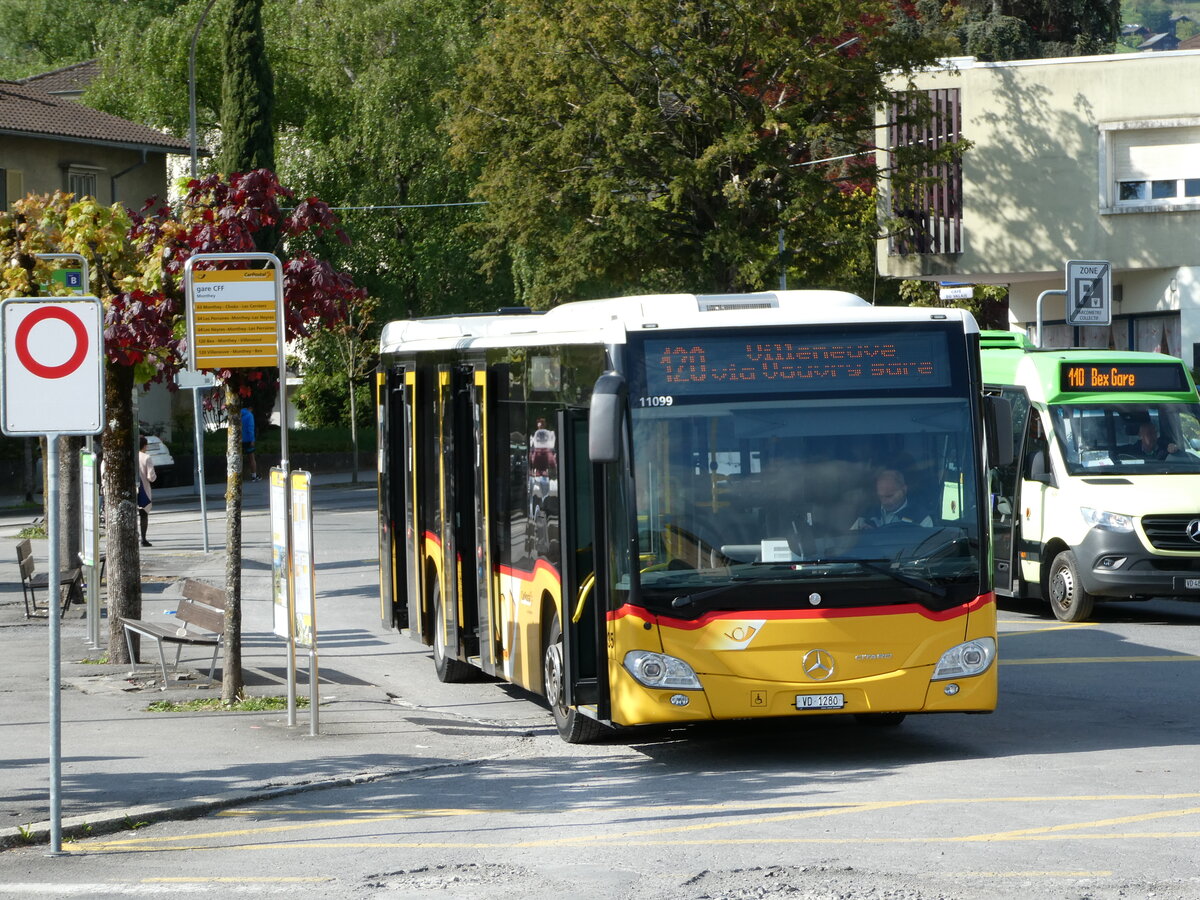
(1173, 532)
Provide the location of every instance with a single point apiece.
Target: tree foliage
(648, 145)
(1018, 29)
(247, 92)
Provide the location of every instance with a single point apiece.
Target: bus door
(1037, 482)
(584, 626)
(463, 553)
(1005, 500)
(399, 568)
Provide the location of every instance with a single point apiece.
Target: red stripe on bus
(778, 614)
(525, 575)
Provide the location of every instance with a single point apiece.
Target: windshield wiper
(881, 567)
(735, 581)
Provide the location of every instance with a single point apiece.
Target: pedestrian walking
(248, 443)
(146, 476)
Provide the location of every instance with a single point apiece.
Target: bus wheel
(573, 726)
(1068, 599)
(449, 670)
(879, 720)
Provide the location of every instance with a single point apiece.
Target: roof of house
(1192, 43)
(72, 79)
(1164, 41)
(29, 111)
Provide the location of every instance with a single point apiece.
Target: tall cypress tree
(247, 92)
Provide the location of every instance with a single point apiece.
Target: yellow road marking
(1072, 826)
(804, 811)
(1064, 627)
(1097, 659)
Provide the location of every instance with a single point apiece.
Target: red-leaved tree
(224, 214)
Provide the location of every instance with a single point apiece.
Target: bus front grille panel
(1171, 532)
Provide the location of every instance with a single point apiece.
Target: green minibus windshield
(1128, 438)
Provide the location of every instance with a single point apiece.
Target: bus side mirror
(605, 416)
(998, 427)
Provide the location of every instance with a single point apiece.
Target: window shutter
(1160, 153)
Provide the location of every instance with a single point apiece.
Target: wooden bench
(199, 622)
(70, 583)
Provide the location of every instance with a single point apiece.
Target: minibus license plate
(820, 701)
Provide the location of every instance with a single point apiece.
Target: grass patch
(102, 661)
(216, 704)
(32, 531)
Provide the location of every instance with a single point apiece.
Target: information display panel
(1091, 377)
(702, 364)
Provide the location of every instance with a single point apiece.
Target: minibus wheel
(1068, 599)
(449, 670)
(573, 726)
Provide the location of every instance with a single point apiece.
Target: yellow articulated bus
(1101, 500)
(679, 508)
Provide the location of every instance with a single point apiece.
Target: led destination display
(772, 362)
(1105, 377)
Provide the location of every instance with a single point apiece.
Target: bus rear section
(1102, 499)
(673, 509)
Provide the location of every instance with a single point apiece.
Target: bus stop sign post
(235, 321)
(1088, 294)
(52, 384)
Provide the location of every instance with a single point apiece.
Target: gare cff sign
(52, 361)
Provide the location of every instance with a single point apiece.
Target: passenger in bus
(891, 489)
(542, 456)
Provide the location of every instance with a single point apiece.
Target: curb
(135, 817)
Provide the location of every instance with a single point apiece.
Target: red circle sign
(22, 342)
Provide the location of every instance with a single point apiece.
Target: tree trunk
(231, 671)
(29, 468)
(68, 500)
(120, 509)
(353, 435)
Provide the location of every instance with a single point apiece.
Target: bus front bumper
(1116, 564)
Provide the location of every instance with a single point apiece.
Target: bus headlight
(657, 670)
(965, 660)
(1107, 521)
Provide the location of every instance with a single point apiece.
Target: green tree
(646, 145)
(247, 92)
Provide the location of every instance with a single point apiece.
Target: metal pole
(1042, 296)
(192, 84)
(314, 691)
(54, 598)
(198, 422)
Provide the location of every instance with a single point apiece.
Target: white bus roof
(608, 321)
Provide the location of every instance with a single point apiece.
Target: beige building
(1088, 158)
(50, 142)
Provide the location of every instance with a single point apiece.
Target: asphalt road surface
(1083, 784)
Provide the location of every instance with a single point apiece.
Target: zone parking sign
(53, 366)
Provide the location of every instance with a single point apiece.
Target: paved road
(1082, 785)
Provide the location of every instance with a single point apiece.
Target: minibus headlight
(966, 660)
(1107, 521)
(657, 670)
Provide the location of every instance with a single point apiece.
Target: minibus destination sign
(1076, 378)
(725, 364)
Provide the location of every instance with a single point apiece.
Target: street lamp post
(192, 82)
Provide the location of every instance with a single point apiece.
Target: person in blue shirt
(248, 443)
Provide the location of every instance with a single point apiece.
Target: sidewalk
(382, 711)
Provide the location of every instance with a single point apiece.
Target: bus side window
(1037, 452)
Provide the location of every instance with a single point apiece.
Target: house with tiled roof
(69, 82)
(50, 142)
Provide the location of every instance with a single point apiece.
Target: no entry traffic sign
(53, 366)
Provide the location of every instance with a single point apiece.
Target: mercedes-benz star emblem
(1193, 530)
(818, 664)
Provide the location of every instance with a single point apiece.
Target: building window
(931, 209)
(1150, 166)
(81, 182)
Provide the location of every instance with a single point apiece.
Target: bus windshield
(1128, 438)
(846, 503)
